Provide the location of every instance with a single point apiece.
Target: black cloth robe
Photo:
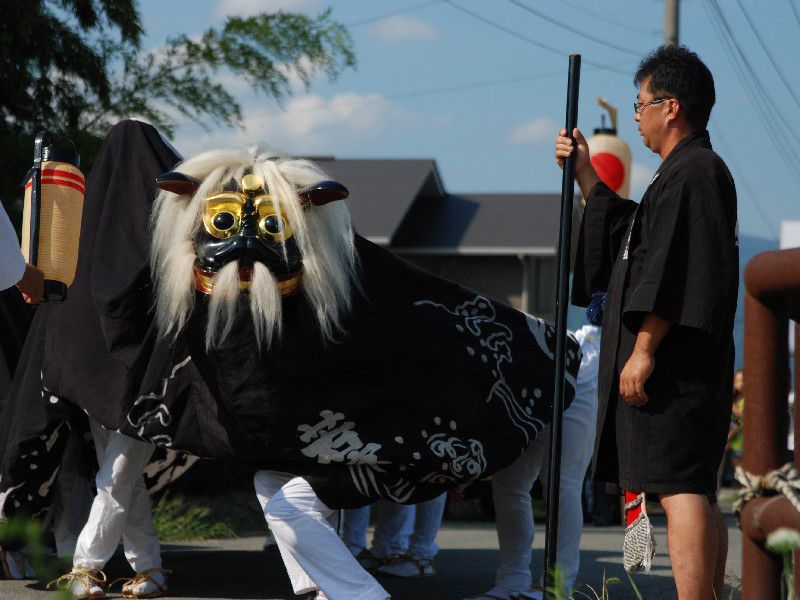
(428, 384)
(15, 319)
(675, 254)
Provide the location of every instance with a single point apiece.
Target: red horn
(177, 183)
(323, 192)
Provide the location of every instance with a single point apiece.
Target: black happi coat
(428, 385)
(676, 255)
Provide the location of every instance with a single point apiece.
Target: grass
(177, 517)
(587, 592)
(558, 591)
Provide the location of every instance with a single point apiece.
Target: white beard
(265, 304)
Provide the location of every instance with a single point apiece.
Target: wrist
(587, 178)
(644, 352)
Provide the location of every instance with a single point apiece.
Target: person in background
(404, 544)
(734, 446)
(511, 487)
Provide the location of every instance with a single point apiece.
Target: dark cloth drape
(676, 255)
(15, 319)
(427, 385)
(77, 355)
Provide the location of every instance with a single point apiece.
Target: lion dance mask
(251, 223)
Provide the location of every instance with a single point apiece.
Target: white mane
(324, 236)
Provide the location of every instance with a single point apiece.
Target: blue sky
(498, 137)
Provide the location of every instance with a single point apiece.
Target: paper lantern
(610, 156)
(52, 210)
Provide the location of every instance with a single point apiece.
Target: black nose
(253, 244)
(249, 226)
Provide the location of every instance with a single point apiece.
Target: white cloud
(248, 8)
(401, 28)
(534, 132)
(641, 175)
(309, 124)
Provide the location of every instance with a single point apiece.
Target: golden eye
(224, 221)
(222, 214)
(273, 224)
(222, 224)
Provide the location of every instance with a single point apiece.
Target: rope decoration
(639, 545)
(784, 481)
(85, 575)
(129, 583)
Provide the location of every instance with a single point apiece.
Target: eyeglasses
(639, 106)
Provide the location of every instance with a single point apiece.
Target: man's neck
(674, 136)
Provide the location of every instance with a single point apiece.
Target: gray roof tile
(401, 203)
(381, 191)
(501, 223)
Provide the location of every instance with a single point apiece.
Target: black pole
(562, 302)
(36, 200)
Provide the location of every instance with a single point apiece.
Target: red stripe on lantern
(53, 181)
(64, 174)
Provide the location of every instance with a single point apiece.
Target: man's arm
(642, 360)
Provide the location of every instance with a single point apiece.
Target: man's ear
(674, 110)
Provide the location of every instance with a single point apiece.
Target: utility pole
(671, 17)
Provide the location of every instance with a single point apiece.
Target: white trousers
(400, 528)
(121, 509)
(511, 487)
(314, 555)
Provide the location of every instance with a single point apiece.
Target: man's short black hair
(678, 72)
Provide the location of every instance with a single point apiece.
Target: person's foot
(15, 565)
(408, 565)
(368, 561)
(147, 584)
(82, 583)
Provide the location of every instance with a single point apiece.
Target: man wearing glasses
(670, 267)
